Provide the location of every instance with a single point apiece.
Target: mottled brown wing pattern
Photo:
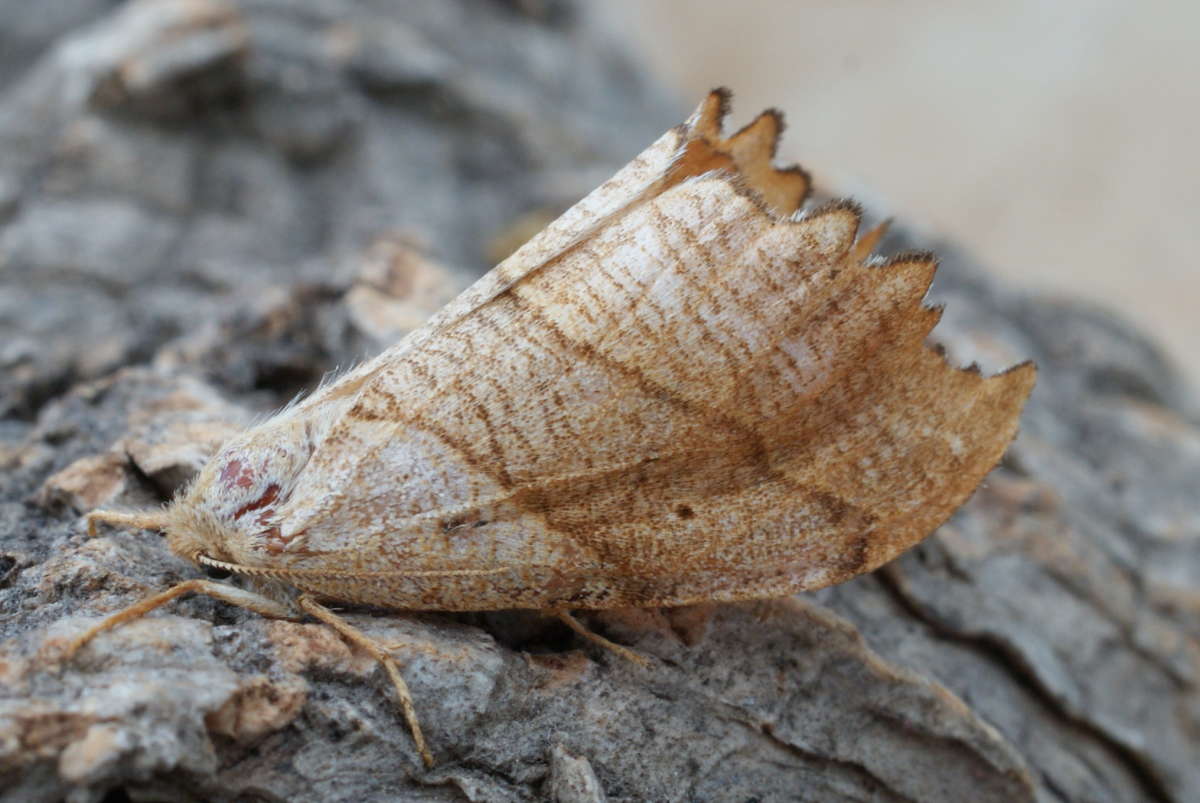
(688, 150)
(685, 389)
(680, 391)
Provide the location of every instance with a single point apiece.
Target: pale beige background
(1058, 140)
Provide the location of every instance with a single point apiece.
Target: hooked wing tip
(751, 151)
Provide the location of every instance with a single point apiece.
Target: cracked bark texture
(204, 206)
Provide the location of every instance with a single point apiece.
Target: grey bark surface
(206, 206)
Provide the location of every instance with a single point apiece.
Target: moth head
(230, 513)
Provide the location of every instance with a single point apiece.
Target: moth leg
(570, 621)
(764, 610)
(380, 654)
(226, 593)
(146, 520)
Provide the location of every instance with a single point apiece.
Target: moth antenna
(144, 520)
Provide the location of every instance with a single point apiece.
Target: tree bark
(206, 206)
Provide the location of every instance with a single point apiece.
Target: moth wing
(630, 183)
(694, 147)
(689, 149)
(700, 399)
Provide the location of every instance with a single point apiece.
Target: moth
(688, 388)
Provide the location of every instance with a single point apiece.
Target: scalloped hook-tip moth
(689, 388)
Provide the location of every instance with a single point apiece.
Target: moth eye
(217, 573)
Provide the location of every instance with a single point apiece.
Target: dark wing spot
(452, 524)
(834, 507)
(684, 512)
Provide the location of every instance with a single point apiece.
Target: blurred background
(1056, 141)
